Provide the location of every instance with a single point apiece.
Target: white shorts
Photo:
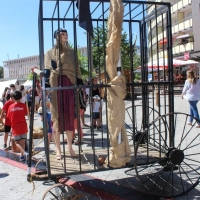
(37, 100)
(23, 100)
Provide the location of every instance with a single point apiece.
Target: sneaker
(197, 126)
(189, 123)
(5, 146)
(22, 158)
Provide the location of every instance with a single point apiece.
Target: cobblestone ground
(14, 186)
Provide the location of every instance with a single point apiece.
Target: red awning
(164, 41)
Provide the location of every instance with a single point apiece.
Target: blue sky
(19, 28)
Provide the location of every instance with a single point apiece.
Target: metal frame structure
(157, 96)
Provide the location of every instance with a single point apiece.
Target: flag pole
(119, 73)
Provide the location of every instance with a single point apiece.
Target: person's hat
(12, 85)
(96, 97)
(40, 110)
(58, 31)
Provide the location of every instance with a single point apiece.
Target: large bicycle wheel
(170, 156)
(60, 192)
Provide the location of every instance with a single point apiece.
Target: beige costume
(66, 66)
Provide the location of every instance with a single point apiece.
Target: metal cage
(151, 130)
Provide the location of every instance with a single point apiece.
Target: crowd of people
(26, 99)
(13, 116)
(16, 105)
(26, 95)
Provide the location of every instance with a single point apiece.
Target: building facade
(185, 16)
(19, 68)
(83, 51)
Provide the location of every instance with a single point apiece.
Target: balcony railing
(182, 25)
(174, 8)
(178, 49)
(179, 5)
(179, 27)
(183, 47)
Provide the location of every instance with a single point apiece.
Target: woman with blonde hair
(191, 92)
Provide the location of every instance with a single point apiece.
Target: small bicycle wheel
(60, 192)
(167, 156)
(135, 122)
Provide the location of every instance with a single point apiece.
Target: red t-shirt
(16, 113)
(5, 109)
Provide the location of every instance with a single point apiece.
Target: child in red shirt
(7, 123)
(16, 113)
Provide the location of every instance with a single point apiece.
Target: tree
(99, 50)
(83, 61)
(1, 72)
(30, 77)
(99, 47)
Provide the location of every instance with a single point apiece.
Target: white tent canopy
(164, 62)
(27, 84)
(183, 36)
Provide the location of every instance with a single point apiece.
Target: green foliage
(1, 72)
(30, 77)
(83, 61)
(99, 50)
(137, 77)
(99, 46)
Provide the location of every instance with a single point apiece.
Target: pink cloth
(66, 105)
